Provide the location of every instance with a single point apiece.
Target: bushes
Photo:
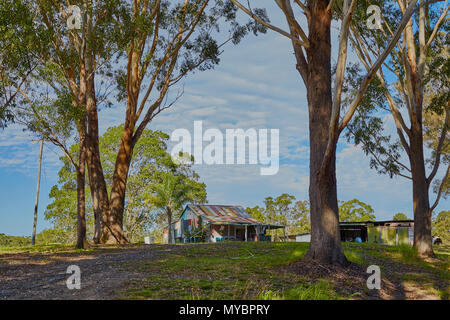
(14, 241)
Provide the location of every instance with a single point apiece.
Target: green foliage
(256, 212)
(13, 241)
(367, 128)
(45, 237)
(52, 236)
(173, 191)
(151, 163)
(400, 216)
(62, 211)
(284, 210)
(20, 39)
(201, 45)
(441, 226)
(355, 211)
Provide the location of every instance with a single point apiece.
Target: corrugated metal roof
(223, 214)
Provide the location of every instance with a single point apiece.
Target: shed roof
(220, 214)
(376, 223)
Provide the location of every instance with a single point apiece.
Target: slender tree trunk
(421, 202)
(95, 199)
(81, 197)
(99, 192)
(81, 169)
(169, 220)
(325, 243)
(118, 190)
(33, 237)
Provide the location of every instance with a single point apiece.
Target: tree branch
(439, 147)
(437, 25)
(339, 80)
(380, 60)
(441, 187)
(268, 25)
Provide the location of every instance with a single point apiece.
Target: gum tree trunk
(118, 190)
(99, 193)
(325, 243)
(81, 168)
(81, 197)
(33, 237)
(421, 202)
(415, 72)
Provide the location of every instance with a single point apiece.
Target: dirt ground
(107, 271)
(43, 275)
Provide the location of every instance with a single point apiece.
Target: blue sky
(257, 86)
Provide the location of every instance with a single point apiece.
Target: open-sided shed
(386, 232)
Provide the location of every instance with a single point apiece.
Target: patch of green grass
(38, 248)
(354, 256)
(317, 291)
(442, 252)
(239, 270)
(444, 294)
(224, 270)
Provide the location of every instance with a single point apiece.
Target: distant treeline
(44, 237)
(13, 241)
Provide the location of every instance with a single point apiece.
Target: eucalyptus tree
(17, 61)
(61, 91)
(149, 46)
(399, 216)
(26, 63)
(414, 79)
(161, 43)
(355, 211)
(150, 162)
(441, 226)
(312, 52)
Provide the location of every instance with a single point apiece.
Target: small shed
(389, 232)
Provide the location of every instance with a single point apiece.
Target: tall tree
(33, 236)
(161, 42)
(441, 226)
(150, 160)
(399, 216)
(313, 57)
(42, 92)
(69, 58)
(355, 211)
(61, 212)
(419, 66)
(17, 60)
(284, 210)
